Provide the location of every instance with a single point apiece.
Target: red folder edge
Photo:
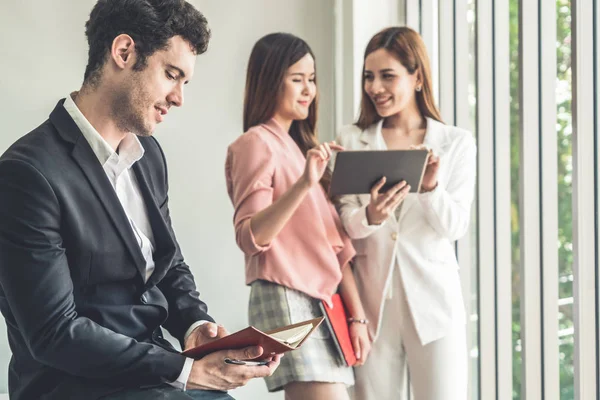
(337, 319)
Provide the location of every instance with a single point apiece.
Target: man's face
(144, 97)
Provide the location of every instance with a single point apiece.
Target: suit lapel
(407, 204)
(84, 156)
(165, 243)
(379, 144)
(88, 162)
(370, 139)
(435, 139)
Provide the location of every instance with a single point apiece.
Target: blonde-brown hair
(406, 46)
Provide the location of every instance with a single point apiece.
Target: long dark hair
(407, 47)
(269, 61)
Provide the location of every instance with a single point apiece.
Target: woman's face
(298, 90)
(388, 84)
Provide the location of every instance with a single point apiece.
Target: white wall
(43, 54)
(357, 21)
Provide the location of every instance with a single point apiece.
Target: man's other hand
(205, 333)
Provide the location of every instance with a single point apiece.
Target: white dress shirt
(117, 167)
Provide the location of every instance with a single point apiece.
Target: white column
(356, 22)
(485, 184)
(430, 35)
(465, 245)
(530, 200)
(412, 13)
(503, 202)
(344, 72)
(597, 133)
(584, 231)
(446, 60)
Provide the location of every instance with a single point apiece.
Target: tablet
(355, 172)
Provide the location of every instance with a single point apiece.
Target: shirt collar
(276, 128)
(436, 136)
(130, 148)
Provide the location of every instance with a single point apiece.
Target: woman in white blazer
(406, 268)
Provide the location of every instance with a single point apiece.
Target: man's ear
(122, 51)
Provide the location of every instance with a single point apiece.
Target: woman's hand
(359, 335)
(382, 205)
(429, 181)
(316, 162)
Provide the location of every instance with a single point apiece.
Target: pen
(242, 362)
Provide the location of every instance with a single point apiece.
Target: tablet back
(355, 172)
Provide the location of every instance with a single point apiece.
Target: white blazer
(421, 238)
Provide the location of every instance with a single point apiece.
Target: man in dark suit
(89, 265)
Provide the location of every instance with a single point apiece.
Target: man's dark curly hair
(151, 23)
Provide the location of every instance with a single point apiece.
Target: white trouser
(438, 370)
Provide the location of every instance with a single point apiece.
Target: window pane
(565, 214)
(515, 193)
(473, 326)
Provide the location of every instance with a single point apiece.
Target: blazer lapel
(87, 161)
(407, 203)
(378, 143)
(165, 243)
(371, 137)
(435, 139)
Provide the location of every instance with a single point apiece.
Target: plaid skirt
(272, 306)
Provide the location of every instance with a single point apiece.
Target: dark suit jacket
(81, 321)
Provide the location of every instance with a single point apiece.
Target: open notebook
(293, 336)
(273, 342)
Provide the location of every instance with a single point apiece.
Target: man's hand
(212, 373)
(207, 332)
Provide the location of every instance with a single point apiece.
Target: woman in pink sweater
(295, 248)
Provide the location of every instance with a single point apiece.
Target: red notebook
(336, 318)
(272, 342)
